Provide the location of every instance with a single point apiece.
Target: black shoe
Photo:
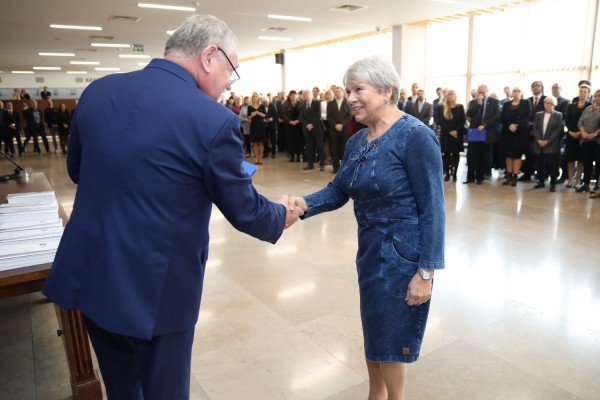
(539, 185)
(560, 180)
(525, 178)
(291, 159)
(308, 167)
(583, 188)
(468, 181)
(447, 177)
(553, 188)
(479, 182)
(454, 178)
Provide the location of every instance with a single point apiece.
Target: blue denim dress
(396, 184)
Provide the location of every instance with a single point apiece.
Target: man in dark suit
(421, 109)
(45, 93)
(483, 113)
(133, 255)
(548, 129)
(338, 117)
(35, 127)
(537, 104)
(310, 119)
(12, 130)
(404, 104)
(561, 106)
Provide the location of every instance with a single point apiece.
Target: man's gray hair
(377, 72)
(196, 33)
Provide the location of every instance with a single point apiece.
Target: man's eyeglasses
(234, 74)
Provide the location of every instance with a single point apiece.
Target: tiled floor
(516, 314)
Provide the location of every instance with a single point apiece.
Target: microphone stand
(16, 174)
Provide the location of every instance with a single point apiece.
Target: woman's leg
(394, 376)
(255, 148)
(570, 169)
(261, 150)
(455, 162)
(377, 390)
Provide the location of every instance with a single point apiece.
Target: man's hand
(293, 212)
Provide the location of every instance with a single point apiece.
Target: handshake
(295, 208)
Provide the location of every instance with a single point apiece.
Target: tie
(483, 111)
(535, 103)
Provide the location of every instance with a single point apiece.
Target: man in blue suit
(133, 255)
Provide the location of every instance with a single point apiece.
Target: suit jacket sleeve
(232, 191)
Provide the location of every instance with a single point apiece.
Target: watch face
(424, 274)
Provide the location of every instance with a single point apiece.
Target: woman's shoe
(583, 188)
(513, 180)
(507, 179)
(447, 177)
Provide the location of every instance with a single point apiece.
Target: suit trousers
(338, 146)
(529, 164)
(591, 154)
(547, 166)
(478, 160)
(9, 147)
(314, 144)
(139, 369)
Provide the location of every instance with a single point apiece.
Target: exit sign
(138, 48)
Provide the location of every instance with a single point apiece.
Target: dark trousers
(9, 146)
(478, 160)
(314, 143)
(528, 166)
(34, 132)
(591, 153)
(450, 162)
(547, 166)
(136, 369)
(338, 146)
(271, 143)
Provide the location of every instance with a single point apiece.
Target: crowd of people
(52, 121)
(532, 139)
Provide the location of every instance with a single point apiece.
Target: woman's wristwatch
(426, 275)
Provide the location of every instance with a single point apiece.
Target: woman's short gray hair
(377, 72)
(196, 33)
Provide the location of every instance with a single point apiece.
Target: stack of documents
(30, 230)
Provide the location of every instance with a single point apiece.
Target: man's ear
(207, 57)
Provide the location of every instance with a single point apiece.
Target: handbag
(474, 135)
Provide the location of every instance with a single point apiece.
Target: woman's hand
(419, 290)
(513, 128)
(454, 134)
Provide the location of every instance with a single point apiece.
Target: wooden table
(84, 380)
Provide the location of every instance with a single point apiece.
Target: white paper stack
(30, 230)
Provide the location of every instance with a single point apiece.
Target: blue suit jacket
(148, 169)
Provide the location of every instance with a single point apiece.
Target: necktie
(535, 103)
(483, 111)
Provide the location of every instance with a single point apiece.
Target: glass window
(447, 49)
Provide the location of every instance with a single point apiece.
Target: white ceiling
(25, 25)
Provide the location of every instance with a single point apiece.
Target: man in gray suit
(548, 129)
(338, 117)
(421, 109)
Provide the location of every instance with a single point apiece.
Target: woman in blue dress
(392, 170)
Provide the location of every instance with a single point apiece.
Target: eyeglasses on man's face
(234, 74)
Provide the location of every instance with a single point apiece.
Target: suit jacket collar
(173, 68)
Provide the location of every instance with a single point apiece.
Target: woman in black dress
(258, 131)
(452, 131)
(291, 116)
(573, 152)
(515, 134)
(64, 124)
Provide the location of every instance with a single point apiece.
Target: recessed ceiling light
(276, 38)
(133, 56)
(85, 62)
(107, 69)
(289, 18)
(165, 7)
(22, 72)
(47, 68)
(77, 72)
(85, 28)
(57, 54)
(109, 45)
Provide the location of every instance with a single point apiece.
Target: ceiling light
(289, 18)
(86, 28)
(57, 54)
(107, 69)
(277, 38)
(47, 68)
(133, 56)
(77, 72)
(170, 32)
(164, 7)
(22, 72)
(143, 64)
(84, 63)
(109, 45)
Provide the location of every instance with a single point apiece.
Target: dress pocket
(397, 269)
